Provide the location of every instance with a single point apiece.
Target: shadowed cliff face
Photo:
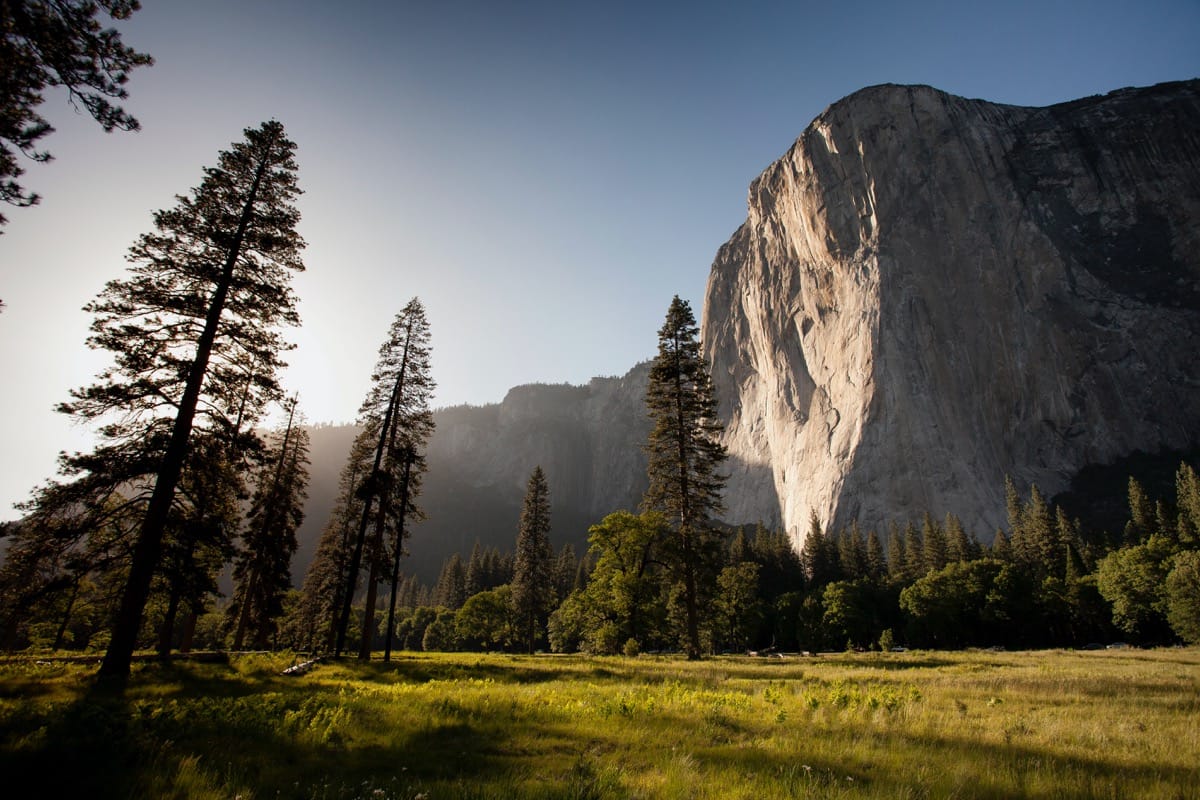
(931, 292)
(587, 439)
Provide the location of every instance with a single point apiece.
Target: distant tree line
(1042, 582)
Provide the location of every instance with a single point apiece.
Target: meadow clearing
(976, 724)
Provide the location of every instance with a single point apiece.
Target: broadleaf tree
(685, 457)
(195, 334)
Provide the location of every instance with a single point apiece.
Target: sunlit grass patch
(1054, 724)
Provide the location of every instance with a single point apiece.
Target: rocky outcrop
(931, 292)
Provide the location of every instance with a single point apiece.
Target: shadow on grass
(178, 732)
(501, 669)
(957, 768)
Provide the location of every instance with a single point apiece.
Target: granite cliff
(931, 292)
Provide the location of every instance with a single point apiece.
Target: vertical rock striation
(931, 292)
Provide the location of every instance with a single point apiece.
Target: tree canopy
(49, 43)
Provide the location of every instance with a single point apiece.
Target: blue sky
(544, 175)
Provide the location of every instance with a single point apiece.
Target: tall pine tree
(533, 576)
(684, 457)
(397, 409)
(194, 334)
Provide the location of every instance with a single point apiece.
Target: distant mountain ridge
(587, 439)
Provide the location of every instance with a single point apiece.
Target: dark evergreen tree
(959, 546)
(816, 555)
(583, 572)
(397, 409)
(325, 582)
(738, 608)
(739, 549)
(565, 567)
(533, 581)
(410, 591)
(412, 426)
(1187, 502)
(1013, 507)
(876, 560)
(685, 457)
(896, 548)
(914, 553)
(194, 335)
(198, 541)
(1044, 554)
(781, 571)
(1001, 549)
(47, 43)
(262, 573)
(450, 591)
(852, 553)
(936, 549)
(475, 576)
(1141, 514)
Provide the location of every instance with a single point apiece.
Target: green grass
(1107, 724)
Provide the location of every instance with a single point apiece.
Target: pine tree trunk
(66, 620)
(391, 621)
(189, 630)
(685, 519)
(239, 635)
(148, 548)
(368, 639)
(166, 632)
(356, 559)
(360, 539)
(366, 644)
(251, 596)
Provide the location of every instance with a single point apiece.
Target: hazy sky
(544, 175)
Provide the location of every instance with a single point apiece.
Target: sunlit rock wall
(930, 293)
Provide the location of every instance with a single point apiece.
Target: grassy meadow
(1103, 724)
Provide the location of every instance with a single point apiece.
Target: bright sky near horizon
(544, 175)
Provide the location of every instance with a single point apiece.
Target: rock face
(587, 439)
(930, 293)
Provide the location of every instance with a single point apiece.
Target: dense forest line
(1042, 582)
